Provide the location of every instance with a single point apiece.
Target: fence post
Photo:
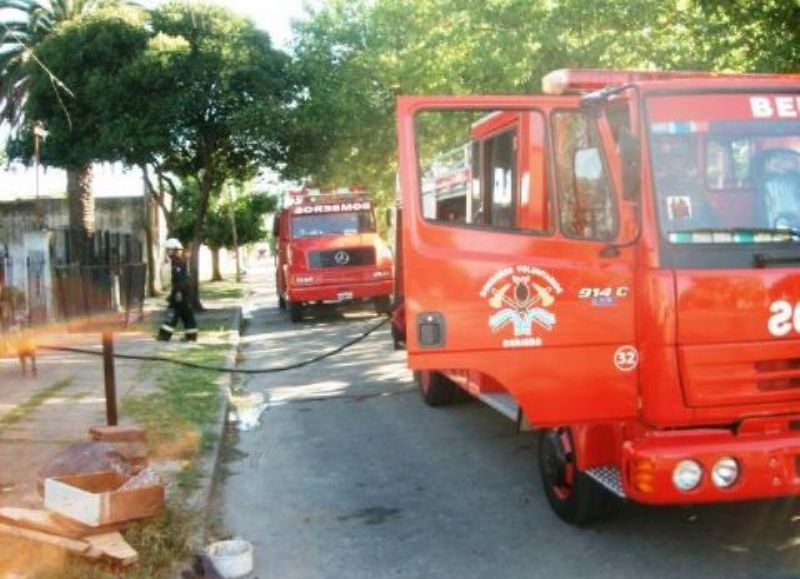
(110, 378)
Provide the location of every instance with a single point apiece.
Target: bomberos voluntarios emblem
(521, 297)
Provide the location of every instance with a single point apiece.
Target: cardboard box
(94, 499)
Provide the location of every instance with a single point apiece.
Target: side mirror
(588, 164)
(276, 226)
(630, 155)
(387, 216)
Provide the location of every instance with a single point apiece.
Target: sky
(274, 16)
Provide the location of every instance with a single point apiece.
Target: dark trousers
(182, 312)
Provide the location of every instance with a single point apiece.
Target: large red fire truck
(329, 251)
(615, 262)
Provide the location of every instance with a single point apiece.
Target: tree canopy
(355, 56)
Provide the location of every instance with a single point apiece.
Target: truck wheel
(436, 390)
(281, 302)
(295, 311)
(573, 496)
(383, 305)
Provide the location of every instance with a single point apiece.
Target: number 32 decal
(626, 358)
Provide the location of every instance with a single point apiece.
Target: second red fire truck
(615, 263)
(329, 252)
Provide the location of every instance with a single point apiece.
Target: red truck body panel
(329, 251)
(662, 342)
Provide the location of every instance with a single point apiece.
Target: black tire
(383, 305)
(295, 311)
(436, 390)
(574, 497)
(281, 302)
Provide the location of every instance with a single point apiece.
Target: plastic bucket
(231, 559)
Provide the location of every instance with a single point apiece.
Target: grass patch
(221, 290)
(31, 404)
(189, 479)
(180, 417)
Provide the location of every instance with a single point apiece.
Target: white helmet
(172, 243)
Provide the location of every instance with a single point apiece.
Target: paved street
(350, 476)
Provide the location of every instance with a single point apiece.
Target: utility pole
(39, 134)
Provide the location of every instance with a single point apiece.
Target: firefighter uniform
(180, 304)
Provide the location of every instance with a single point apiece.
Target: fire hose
(275, 369)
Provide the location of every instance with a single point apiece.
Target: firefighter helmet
(173, 243)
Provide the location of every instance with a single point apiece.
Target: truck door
(511, 274)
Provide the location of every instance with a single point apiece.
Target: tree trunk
(206, 184)
(216, 274)
(81, 210)
(149, 223)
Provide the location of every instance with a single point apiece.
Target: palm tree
(23, 25)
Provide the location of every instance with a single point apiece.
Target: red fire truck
(616, 263)
(329, 251)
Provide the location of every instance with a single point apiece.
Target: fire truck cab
(329, 251)
(615, 263)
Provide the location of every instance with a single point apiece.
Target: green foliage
(85, 54)
(354, 56)
(24, 24)
(249, 211)
(226, 89)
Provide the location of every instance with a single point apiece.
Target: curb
(208, 465)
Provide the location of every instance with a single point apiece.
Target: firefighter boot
(190, 335)
(164, 333)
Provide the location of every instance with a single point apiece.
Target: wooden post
(110, 378)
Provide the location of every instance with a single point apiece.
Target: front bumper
(767, 451)
(341, 291)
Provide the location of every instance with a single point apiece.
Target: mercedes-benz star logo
(341, 258)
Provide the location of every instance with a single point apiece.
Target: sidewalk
(41, 416)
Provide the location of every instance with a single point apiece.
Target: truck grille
(726, 374)
(343, 257)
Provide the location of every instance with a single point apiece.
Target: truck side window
(585, 198)
(475, 202)
(484, 169)
(500, 178)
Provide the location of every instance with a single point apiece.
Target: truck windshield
(726, 167)
(333, 224)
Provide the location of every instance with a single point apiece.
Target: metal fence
(99, 248)
(36, 287)
(86, 290)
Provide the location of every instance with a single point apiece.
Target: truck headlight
(725, 472)
(687, 475)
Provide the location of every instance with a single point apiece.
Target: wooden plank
(122, 433)
(114, 548)
(81, 548)
(41, 520)
(85, 529)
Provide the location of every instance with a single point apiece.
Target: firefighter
(180, 305)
